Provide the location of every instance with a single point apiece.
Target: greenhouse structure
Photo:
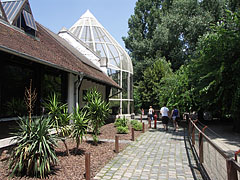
(112, 59)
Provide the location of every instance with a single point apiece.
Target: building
(28, 50)
(90, 38)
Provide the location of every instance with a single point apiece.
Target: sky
(112, 14)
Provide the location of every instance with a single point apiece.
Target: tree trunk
(78, 142)
(66, 147)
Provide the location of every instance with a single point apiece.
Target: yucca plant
(98, 111)
(34, 153)
(60, 117)
(80, 125)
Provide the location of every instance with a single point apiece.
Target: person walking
(175, 115)
(165, 116)
(150, 113)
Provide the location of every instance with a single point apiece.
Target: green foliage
(80, 125)
(122, 129)
(148, 88)
(137, 126)
(121, 122)
(97, 109)
(34, 153)
(59, 116)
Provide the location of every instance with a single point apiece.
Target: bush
(34, 153)
(121, 122)
(97, 110)
(122, 130)
(138, 126)
(133, 122)
(80, 125)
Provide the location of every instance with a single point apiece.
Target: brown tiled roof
(47, 49)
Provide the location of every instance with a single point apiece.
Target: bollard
(155, 121)
(143, 127)
(149, 123)
(117, 144)
(141, 117)
(87, 166)
(132, 134)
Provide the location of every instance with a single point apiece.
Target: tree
(216, 68)
(148, 88)
(170, 29)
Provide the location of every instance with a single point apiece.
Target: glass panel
(114, 107)
(131, 86)
(100, 48)
(30, 22)
(14, 79)
(125, 85)
(51, 83)
(125, 107)
(131, 107)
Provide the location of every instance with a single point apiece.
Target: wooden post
(231, 171)
(189, 128)
(87, 166)
(143, 127)
(149, 123)
(193, 135)
(132, 134)
(141, 117)
(201, 145)
(117, 144)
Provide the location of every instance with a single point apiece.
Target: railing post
(87, 166)
(236, 154)
(193, 135)
(201, 145)
(117, 144)
(132, 134)
(143, 127)
(231, 171)
(189, 127)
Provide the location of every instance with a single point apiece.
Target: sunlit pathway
(155, 155)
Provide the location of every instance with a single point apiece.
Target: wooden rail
(233, 167)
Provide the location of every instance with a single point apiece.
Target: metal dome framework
(114, 59)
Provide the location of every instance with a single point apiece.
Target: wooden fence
(211, 157)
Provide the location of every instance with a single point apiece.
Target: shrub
(121, 122)
(122, 130)
(136, 125)
(97, 109)
(34, 153)
(58, 113)
(80, 125)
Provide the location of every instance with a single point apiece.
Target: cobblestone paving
(156, 154)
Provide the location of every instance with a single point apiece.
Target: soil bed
(73, 166)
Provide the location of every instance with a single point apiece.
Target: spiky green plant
(80, 125)
(34, 153)
(98, 110)
(60, 117)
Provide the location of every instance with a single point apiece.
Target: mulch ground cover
(73, 166)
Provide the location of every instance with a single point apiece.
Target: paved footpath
(156, 154)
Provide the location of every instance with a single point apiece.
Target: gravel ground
(73, 166)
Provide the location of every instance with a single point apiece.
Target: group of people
(166, 115)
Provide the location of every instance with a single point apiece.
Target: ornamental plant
(59, 117)
(98, 111)
(34, 154)
(137, 126)
(80, 125)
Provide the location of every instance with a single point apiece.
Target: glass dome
(116, 60)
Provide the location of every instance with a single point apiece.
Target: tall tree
(216, 69)
(167, 28)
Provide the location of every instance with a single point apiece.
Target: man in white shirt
(165, 116)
